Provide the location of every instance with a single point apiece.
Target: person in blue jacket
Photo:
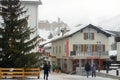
(94, 70)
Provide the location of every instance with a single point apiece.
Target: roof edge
(32, 2)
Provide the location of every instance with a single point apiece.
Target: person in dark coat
(46, 71)
(87, 69)
(49, 66)
(94, 70)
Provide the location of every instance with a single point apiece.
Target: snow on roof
(109, 32)
(43, 33)
(49, 40)
(114, 52)
(36, 2)
(47, 45)
(72, 31)
(75, 29)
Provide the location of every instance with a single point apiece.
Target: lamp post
(99, 52)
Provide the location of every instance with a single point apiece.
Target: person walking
(87, 69)
(53, 67)
(49, 66)
(46, 71)
(94, 70)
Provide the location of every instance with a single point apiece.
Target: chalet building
(85, 43)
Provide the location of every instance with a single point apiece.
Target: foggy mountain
(111, 23)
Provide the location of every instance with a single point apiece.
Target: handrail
(19, 72)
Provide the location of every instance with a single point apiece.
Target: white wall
(111, 41)
(33, 19)
(78, 38)
(118, 51)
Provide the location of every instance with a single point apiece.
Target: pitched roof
(117, 33)
(81, 28)
(36, 2)
(98, 29)
(77, 29)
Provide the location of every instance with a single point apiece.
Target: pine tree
(15, 44)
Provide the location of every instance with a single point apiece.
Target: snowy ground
(62, 76)
(111, 72)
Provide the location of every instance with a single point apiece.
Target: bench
(19, 73)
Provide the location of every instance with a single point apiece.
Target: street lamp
(99, 51)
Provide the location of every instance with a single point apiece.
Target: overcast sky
(75, 12)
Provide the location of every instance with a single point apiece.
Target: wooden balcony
(89, 54)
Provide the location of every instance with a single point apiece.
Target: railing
(73, 53)
(19, 73)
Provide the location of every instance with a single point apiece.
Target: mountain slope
(111, 24)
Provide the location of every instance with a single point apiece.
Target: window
(59, 49)
(53, 49)
(78, 48)
(64, 48)
(89, 48)
(99, 46)
(56, 49)
(88, 36)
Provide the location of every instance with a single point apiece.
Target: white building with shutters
(85, 43)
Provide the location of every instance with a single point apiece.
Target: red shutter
(67, 47)
(41, 50)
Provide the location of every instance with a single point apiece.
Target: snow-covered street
(62, 76)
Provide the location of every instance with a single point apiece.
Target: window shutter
(103, 47)
(96, 48)
(93, 48)
(84, 48)
(84, 36)
(74, 47)
(92, 36)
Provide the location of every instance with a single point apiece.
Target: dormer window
(88, 36)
